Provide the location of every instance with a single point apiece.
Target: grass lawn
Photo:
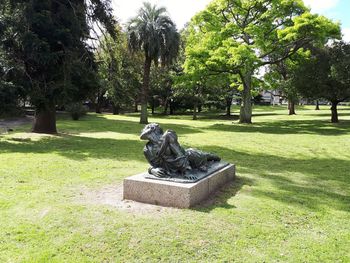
(290, 202)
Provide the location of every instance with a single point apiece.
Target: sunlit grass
(290, 202)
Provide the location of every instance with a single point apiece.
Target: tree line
(232, 49)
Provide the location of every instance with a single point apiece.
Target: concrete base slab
(172, 194)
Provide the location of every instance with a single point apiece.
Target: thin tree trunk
(291, 107)
(245, 115)
(116, 109)
(153, 105)
(144, 92)
(98, 105)
(228, 106)
(45, 121)
(98, 108)
(166, 105)
(136, 105)
(317, 105)
(334, 112)
(171, 106)
(195, 111)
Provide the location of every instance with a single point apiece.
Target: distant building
(271, 97)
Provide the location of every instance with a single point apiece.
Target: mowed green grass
(289, 203)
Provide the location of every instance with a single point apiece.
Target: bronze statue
(168, 159)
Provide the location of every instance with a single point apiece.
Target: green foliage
(162, 86)
(10, 94)
(326, 75)
(46, 40)
(155, 34)
(119, 70)
(76, 110)
(239, 37)
(279, 77)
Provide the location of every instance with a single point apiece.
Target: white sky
(181, 11)
(319, 6)
(324, 7)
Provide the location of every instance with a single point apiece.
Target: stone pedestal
(172, 194)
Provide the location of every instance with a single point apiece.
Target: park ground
(60, 195)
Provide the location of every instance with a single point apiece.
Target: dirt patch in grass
(112, 195)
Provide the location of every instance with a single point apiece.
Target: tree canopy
(326, 75)
(47, 42)
(153, 32)
(239, 37)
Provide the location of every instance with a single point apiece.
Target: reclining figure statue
(168, 159)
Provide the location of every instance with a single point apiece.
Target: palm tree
(155, 34)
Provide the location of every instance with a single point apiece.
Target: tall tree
(241, 36)
(48, 42)
(279, 78)
(119, 70)
(11, 93)
(326, 75)
(153, 32)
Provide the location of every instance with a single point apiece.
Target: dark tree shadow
(78, 148)
(99, 123)
(262, 114)
(317, 186)
(219, 199)
(319, 127)
(69, 144)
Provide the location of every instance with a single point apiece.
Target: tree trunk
(153, 105)
(144, 92)
(166, 105)
(195, 111)
(291, 107)
(136, 105)
(317, 105)
(171, 106)
(98, 108)
(200, 107)
(98, 104)
(334, 112)
(245, 115)
(45, 121)
(116, 109)
(228, 106)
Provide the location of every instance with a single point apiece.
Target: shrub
(76, 110)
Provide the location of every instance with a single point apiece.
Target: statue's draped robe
(175, 159)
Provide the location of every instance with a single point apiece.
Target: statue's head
(151, 131)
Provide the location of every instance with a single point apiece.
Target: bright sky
(181, 11)
(338, 10)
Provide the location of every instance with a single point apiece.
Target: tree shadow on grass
(77, 148)
(341, 113)
(318, 127)
(219, 199)
(316, 183)
(97, 123)
(262, 114)
(70, 145)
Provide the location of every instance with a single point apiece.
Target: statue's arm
(164, 146)
(169, 138)
(153, 160)
(150, 157)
